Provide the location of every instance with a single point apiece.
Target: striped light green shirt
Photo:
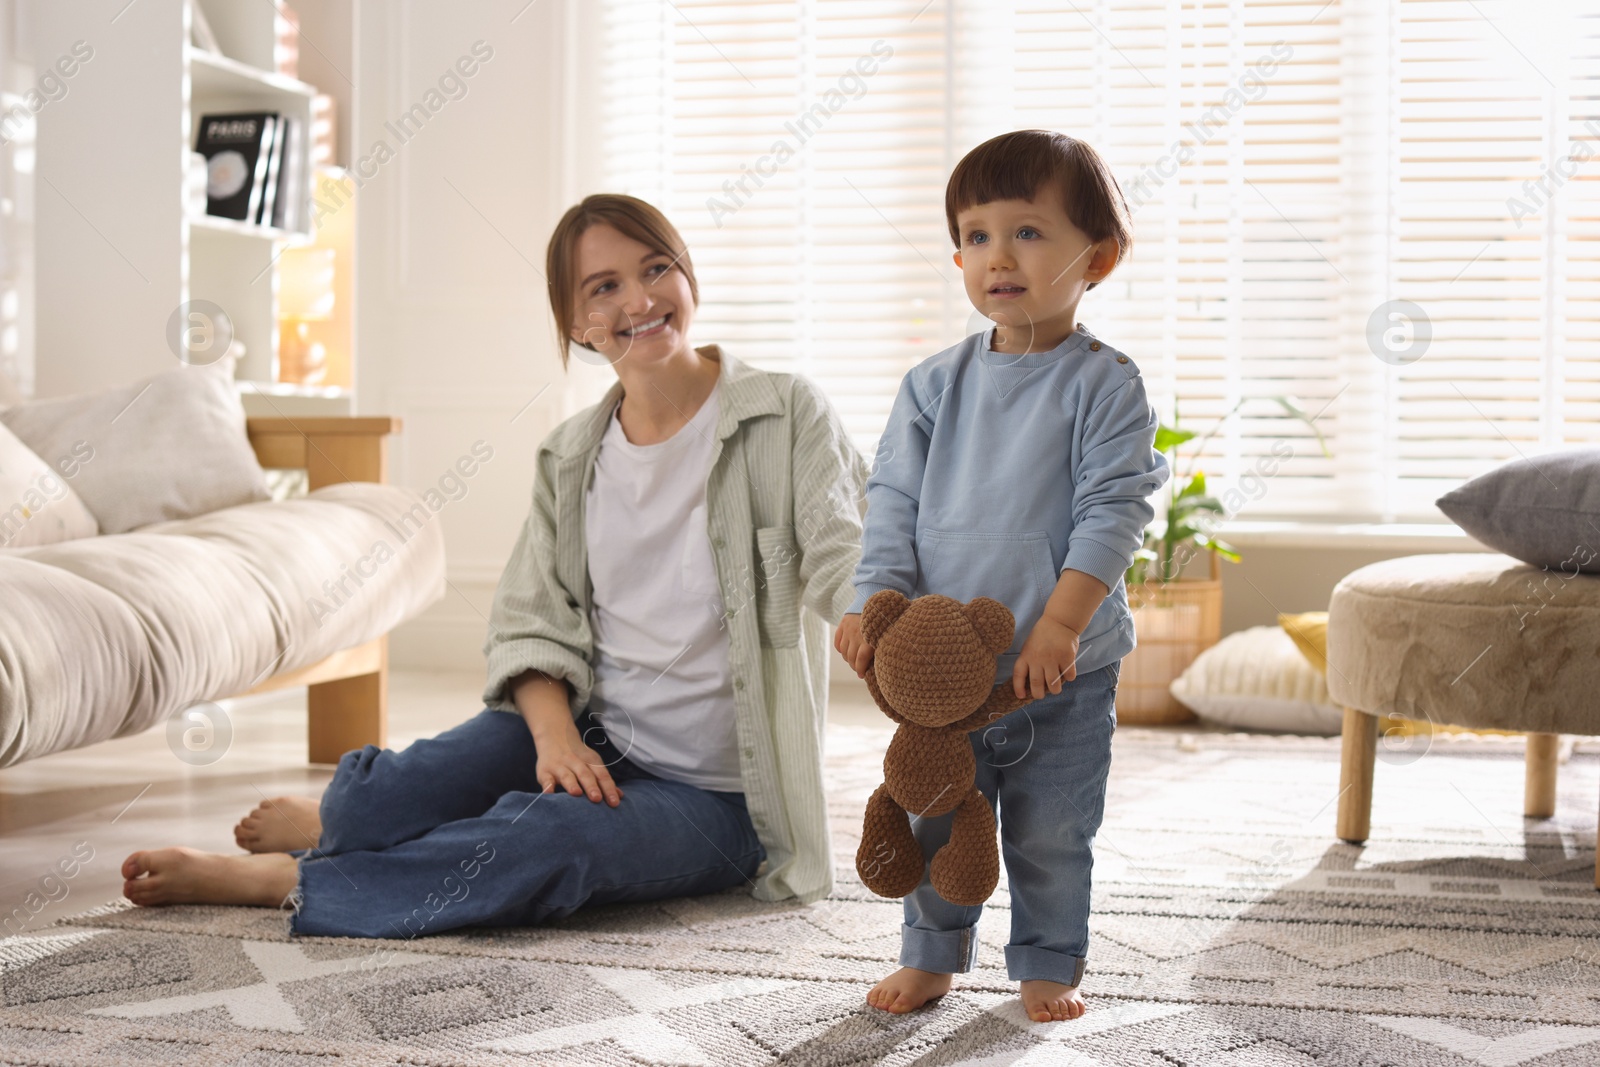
(784, 503)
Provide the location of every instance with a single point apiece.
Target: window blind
(1494, 235)
(1319, 192)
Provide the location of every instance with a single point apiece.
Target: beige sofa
(106, 636)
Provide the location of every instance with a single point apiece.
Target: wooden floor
(133, 793)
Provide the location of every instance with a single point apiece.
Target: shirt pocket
(1016, 569)
(778, 586)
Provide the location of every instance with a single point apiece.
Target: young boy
(1018, 465)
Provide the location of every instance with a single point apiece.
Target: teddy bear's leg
(967, 868)
(889, 860)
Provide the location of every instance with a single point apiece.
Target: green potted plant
(1177, 617)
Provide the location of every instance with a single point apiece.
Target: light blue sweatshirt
(997, 472)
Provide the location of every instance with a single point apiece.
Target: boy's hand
(852, 646)
(1049, 656)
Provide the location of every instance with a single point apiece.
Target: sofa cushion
(167, 447)
(1468, 639)
(1544, 510)
(37, 504)
(111, 635)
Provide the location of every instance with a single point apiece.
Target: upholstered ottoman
(1472, 639)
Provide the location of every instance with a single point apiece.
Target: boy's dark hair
(1015, 166)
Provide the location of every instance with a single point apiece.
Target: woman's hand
(1049, 656)
(578, 769)
(852, 646)
(563, 758)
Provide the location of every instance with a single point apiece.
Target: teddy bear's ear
(881, 610)
(993, 621)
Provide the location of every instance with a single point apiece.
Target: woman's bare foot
(188, 876)
(908, 989)
(1046, 1002)
(281, 824)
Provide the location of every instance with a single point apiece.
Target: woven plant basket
(1175, 622)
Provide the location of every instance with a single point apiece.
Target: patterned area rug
(1230, 928)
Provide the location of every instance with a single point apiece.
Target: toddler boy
(1018, 465)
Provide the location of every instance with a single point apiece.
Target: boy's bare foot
(188, 876)
(281, 824)
(1046, 1002)
(908, 989)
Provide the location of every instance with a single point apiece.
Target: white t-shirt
(662, 680)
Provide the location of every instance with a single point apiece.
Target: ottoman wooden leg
(1356, 761)
(1539, 776)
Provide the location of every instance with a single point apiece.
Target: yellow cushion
(1309, 630)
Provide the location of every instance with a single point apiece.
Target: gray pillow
(1544, 510)
(167, 447)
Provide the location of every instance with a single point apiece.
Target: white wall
(109, 278)
(454, 327)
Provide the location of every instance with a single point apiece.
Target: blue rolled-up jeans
(1046, 765)
(455, 831)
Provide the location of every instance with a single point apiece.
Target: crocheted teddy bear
(932, 672)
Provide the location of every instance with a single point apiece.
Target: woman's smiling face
(632, 301)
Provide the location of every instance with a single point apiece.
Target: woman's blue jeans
(1046, 764)
(454, 831)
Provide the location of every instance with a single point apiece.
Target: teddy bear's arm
(883, 705)
(1002, 700)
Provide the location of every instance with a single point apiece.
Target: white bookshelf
(117, 249)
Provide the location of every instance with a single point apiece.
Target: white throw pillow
(37, 506)
(1257, 679)
(168, 447)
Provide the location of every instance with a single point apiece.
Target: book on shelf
(288, 207)
(237, 147)
(269, 188)
(258, 184)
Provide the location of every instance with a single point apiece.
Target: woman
(657, 652)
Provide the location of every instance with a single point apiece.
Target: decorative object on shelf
(1177, 618)
(199, 181)
(253, 166)
(237, 148)
(305, 296)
